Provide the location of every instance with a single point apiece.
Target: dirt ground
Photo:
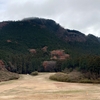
(41, 88)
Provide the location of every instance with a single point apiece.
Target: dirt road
(41, 88)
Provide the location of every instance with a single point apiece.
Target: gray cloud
(82, 15)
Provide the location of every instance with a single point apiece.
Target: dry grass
(6, 75)
(73, 76)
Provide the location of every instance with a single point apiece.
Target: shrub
(34, 73)
(71, 77)
(59, 77)
(75, 76)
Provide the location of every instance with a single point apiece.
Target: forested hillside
(22, 43)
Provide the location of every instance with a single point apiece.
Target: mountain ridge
(36, 33)
(66, 34)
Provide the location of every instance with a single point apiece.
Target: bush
(75, 76)
(59, 77)
(71, 77)
(34, 73)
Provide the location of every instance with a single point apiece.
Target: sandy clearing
(40, 87)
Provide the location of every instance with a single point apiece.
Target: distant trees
(88, 64)
(27, 63)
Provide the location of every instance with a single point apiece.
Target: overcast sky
(82, 15)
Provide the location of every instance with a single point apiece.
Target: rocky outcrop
(74, 35)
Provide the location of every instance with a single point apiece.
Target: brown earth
(41, 88)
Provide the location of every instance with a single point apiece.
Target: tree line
(23, 64)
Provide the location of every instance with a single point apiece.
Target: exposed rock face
(62, 33)
(49, 65)
(59, 54)
(73, 35)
